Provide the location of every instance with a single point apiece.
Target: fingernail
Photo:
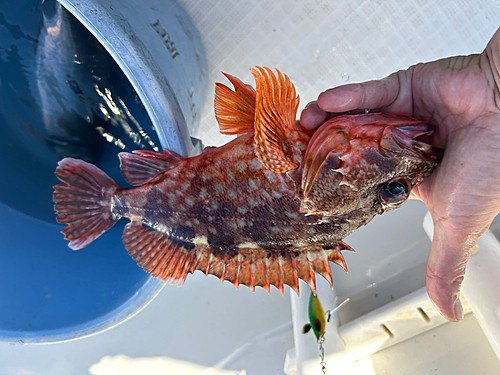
(459, 311)
(310, 104)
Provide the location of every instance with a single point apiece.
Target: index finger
(390, 94)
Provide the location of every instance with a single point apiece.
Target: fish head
(366, 163)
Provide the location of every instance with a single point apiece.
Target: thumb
(450, 252)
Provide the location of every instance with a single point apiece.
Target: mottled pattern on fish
(269, 207)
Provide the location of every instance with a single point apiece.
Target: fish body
(269, 207)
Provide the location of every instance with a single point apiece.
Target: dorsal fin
(173, 260)
(234, 110)
(275, 113)
(141, 166)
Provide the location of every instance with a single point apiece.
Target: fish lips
(411, 140)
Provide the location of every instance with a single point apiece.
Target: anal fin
(260, 267)
(172, 260)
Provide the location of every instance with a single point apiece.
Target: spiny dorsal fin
(234, 110)
(172, 260)
(275, 112)
(141, 166)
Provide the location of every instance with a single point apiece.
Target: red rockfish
(267, 208)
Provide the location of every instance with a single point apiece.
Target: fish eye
(394, 193)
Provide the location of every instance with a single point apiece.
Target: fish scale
(268, 208)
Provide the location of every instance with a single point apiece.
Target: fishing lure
(318, 321)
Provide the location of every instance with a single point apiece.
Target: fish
(269, 207)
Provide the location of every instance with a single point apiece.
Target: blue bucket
(86, 79)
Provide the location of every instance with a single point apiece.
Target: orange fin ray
(210, 259)
(259, 267)
(223, 266)
(267, 274)
(141, 166)
(173, 260)
(158, 254)
(253, 273)
(311, 279)
(237, 271)
(84, 202)
(275, 113)
(338, 258)
(281, 274)
(234, 110)
(294, 274)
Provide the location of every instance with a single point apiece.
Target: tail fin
(84, 203)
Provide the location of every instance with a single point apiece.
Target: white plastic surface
(391, 324)
(449, 349)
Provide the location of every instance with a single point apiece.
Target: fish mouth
(412, 140)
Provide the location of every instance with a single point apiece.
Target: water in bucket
(62, 95)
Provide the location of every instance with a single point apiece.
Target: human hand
(461, 96)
